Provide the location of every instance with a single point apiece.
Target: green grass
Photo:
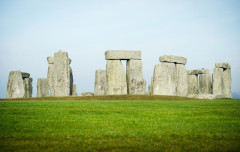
(120, 125)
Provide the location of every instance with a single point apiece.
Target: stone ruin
(114, 81)
(19, 85)
(60, 77)
(170, 77)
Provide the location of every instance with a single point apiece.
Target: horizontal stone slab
(223, 65)
(25, 75)
(173, 59)
(122, 55)
(199, 71)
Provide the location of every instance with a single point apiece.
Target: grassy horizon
(120, 125)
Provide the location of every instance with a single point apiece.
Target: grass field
(120, 125)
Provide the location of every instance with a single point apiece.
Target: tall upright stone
(60, 78)
(100, 82)
(164, 79)
(182, 80)
(116, 78)
(15, 86)
(50, 76)
(217, 81)
(193, 87)
(27, 87)
(19, 85)
(74, 90)
(135, 80)
(222, 80)
(205, 84)
(42, 87)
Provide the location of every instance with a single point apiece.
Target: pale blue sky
(203, 31)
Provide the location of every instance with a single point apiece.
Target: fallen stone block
(87, 94)
(173, 59)
(122, 55)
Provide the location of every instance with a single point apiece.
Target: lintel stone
(223, 65)
(199, 71)
(122, 55)
(173, 59)
(25, 75)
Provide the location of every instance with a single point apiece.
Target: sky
(203, 31)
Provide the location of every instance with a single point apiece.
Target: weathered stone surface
(51, 79)
(202, 96)
(61, 74)
(182, 80)
(74, 90)
(193, 87)
(217, 81)
(164, 79)
(25, 75)
(27, 82)
(100, 82)
(60, 78)
(87, 94)
(135, 80)
(223, 96)
(122, 55)
(205, 83)
(50, 60)
(173, 59)
(42, 87)
(15, 86)
(223, 65)
(227, 83)
(199, 71)
(116, 78)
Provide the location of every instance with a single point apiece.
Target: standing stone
(74, 90)
(116, 78)
(61, 74)
(193, 87)
(15, 86)
(27, 82)
(218, 81)
(227, 83)
(135, 81)
(205, 83)
(100, 82)
(182, 80)
(50, 76)
(42, 87)
(71, 79)
(164, 79)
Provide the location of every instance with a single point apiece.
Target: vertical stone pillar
(205, 83)
(19, 85)
(116, 78)
(222, 80)
(74, 90)
(164, 79)
(135, 81)
(100, 82)
(42, 87)
(217, 81)
(15, 86)
(60, 77)
(51, 76)
(27, 87)
(182, 80)
(193, 87)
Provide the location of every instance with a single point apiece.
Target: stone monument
(42, 87)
